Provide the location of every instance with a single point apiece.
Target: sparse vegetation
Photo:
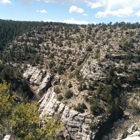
(80, 107)
(59, 97)
(57, 90)
(68, 94)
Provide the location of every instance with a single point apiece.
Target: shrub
(95, 109)
(68, 94)
(69, 85)
(59, 97)
(86, 98)
(120, 69)
(57, 90)
(135, 110)
(88, 48)
(79, 62)
(80, 107)
(72, 68)
(92, 126)
(51, 64)
(60, 69)
(82, 86)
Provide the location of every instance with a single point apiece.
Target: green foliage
(78, 76)
(135, 110)
(97, 54)
(95, 110)
(25, 123)
(57, 90)
(68, 94)
(12, 29)
(22, 119)
(86, 98)
(104, 29)
(72, 68)
(51, 64)
(59, 97)
(132, 33)
(109, 92)
(69, 51)
(5, 100)
(92, 126)
(111, 30)
(80, 107)
(115, 106)
(60, 69)
(82, 86)
(13, 75)
(79, 62)
(96, 30)
(6, 72)
(88, 48)
(120, 69)
(69, 85)
(51, 55)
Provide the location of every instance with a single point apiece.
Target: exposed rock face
(134, 136)
(93, 70)
(77, 124)
(39, 80)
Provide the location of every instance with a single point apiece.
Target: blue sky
(71, 11)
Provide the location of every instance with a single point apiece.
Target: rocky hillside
(86, 76)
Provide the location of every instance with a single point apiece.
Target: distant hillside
(10, 29)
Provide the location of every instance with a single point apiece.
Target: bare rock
(76, 126)
(55, 80)
(39, 80)
(131, 129)
(134, 136)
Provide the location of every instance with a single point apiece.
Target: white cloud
(85, 14)
(119, 13)
(110, 7)
(94, 5)
(107, 4)
(5, 1)
(138, 13)
(119, 8)
(42, 11)
(69, 21)
(75, 9)
(113, 4)
(50, 1)
(73, 21)
(64, 1)
(116, 4)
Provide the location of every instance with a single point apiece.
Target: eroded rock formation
(39, 80)
(77, 124)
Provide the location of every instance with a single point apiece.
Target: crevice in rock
(105, 128)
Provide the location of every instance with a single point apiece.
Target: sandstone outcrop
(39, 80)
(77, 125)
